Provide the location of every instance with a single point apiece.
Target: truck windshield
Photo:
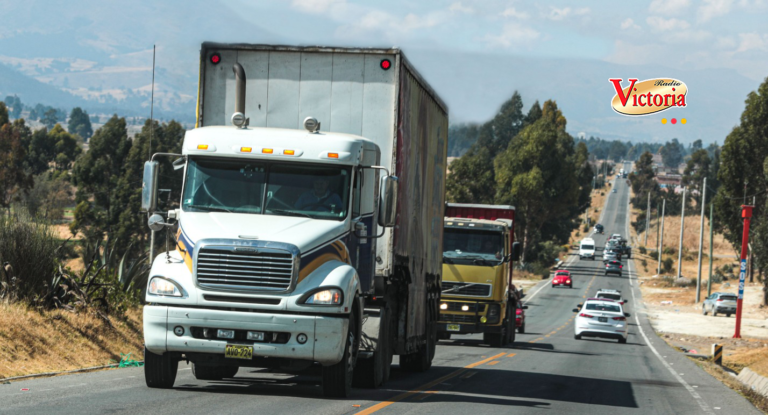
(468, 245)
(256, 187)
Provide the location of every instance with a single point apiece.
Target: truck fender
(331, 274)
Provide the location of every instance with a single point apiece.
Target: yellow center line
(511, 354)
(495, 362)
(424, 387)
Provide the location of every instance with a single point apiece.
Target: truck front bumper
(470, 321)
(325, 343)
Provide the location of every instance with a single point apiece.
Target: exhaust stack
(238, 118)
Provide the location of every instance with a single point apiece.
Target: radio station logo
(649, 96)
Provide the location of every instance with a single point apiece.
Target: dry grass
(690, 236)
(38, 342)
(760, 401)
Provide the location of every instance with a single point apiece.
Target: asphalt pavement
(545, 371)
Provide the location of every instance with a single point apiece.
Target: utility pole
(711, 247)
(661, 241)
(658, 218)
(746, 214)
(682, 228)
(701, 240)
(647, 219)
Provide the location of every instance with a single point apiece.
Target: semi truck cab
(477, 291)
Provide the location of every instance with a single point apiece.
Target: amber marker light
(267, 150)
(245, 149)
(289, 152)
(202, 146)
(333, 155)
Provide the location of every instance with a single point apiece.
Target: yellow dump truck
(477, 291)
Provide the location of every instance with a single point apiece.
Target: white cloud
(316, 6)
(662, 24)
(512, 34)
(725, 42)
(629, 24)
(668, 6)
(559, 14)
(713, 8)
(752, 41)
(582, 11)
(512, 12)
(460, 8)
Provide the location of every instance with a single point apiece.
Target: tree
(49, 118)
(3, 114)
(536, 174)
(13, 178)
(507, 123)
(617, 151)
(461, 137)
(698, 167)
(742, 173)
(533, 114)
(65, 147)
(15, 106)
(470, 180)
(672, 153)
(80, 123)
(49, 196)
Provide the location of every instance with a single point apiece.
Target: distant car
(520, 318)
(724, 303)
(614, 295)
(611, 255)
(587, 248)
(600, 318)
(615, 236)
(613, 267)
(599, 228)
(613, 191)
(562, 277)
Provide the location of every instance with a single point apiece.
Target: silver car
(724, 303)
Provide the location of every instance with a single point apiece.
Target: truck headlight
(328, 296)
(164, 287)
(494, 313)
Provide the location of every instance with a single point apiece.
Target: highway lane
(545, 371)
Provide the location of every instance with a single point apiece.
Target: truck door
(361, 246)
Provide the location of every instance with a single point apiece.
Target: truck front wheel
(160, 369)
(337, 379)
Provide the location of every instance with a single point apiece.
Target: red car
(520, 318)
(562, 277)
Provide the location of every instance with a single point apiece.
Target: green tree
(534, 113)
(461, 137)
(617, 151)
(3, 114)
(65, 147)
(507, 123)
(470, 180)
(49, 196)
(536, 174)
(672, 153)
(13, 178)
(15, 106)
(80, 123)
(697, 168)
(49, 118)
(96, 175)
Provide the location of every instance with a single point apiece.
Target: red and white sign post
(746, 214)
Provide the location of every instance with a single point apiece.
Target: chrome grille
(466, 289)
(250, 269)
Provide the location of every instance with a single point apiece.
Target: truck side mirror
(149, 186)
(516, 251)
(388, 201)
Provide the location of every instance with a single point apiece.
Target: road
(546, 371)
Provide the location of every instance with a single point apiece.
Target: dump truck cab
(477, 291)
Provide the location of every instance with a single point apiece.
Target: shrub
(669, 250)
(654, 255)
(717, 277)
(642, 250)
(644, 263)
(667, 265)
(585, 228)
(31, 249)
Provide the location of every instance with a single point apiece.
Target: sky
(474, 53)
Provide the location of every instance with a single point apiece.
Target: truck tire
(521, 329)
(495, 339)
(213, 372)
(510, 325)
(704, 310)
(371, 373)
(421, 361)
(160, 369)
(337, 379)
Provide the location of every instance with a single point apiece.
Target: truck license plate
(234, 351)
(453, 327)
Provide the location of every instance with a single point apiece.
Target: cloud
(512, 12)
(316, 6)
(662, 24)
(668, 6)
(512, 34)
(558, 14)
(752, 41)
(459, 8)
(713, 8)
(629, 24)
(725, 42)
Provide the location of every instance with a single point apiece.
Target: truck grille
(457, 318)
(472, 307)
(254, 270)
(466, 289)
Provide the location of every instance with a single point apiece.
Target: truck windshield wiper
(290, 213)
(209, 208)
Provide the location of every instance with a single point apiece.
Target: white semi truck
(310, 231)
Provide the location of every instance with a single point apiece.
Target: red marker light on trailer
(385, 64)
(215, 58)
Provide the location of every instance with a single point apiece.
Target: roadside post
(701, 239)
(711, 249)
(661, 241)
(717, 354)
(746, 214)
(682, 229)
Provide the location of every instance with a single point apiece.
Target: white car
(600, 317)
(587, 248)
(616, 236)
(614, 295)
